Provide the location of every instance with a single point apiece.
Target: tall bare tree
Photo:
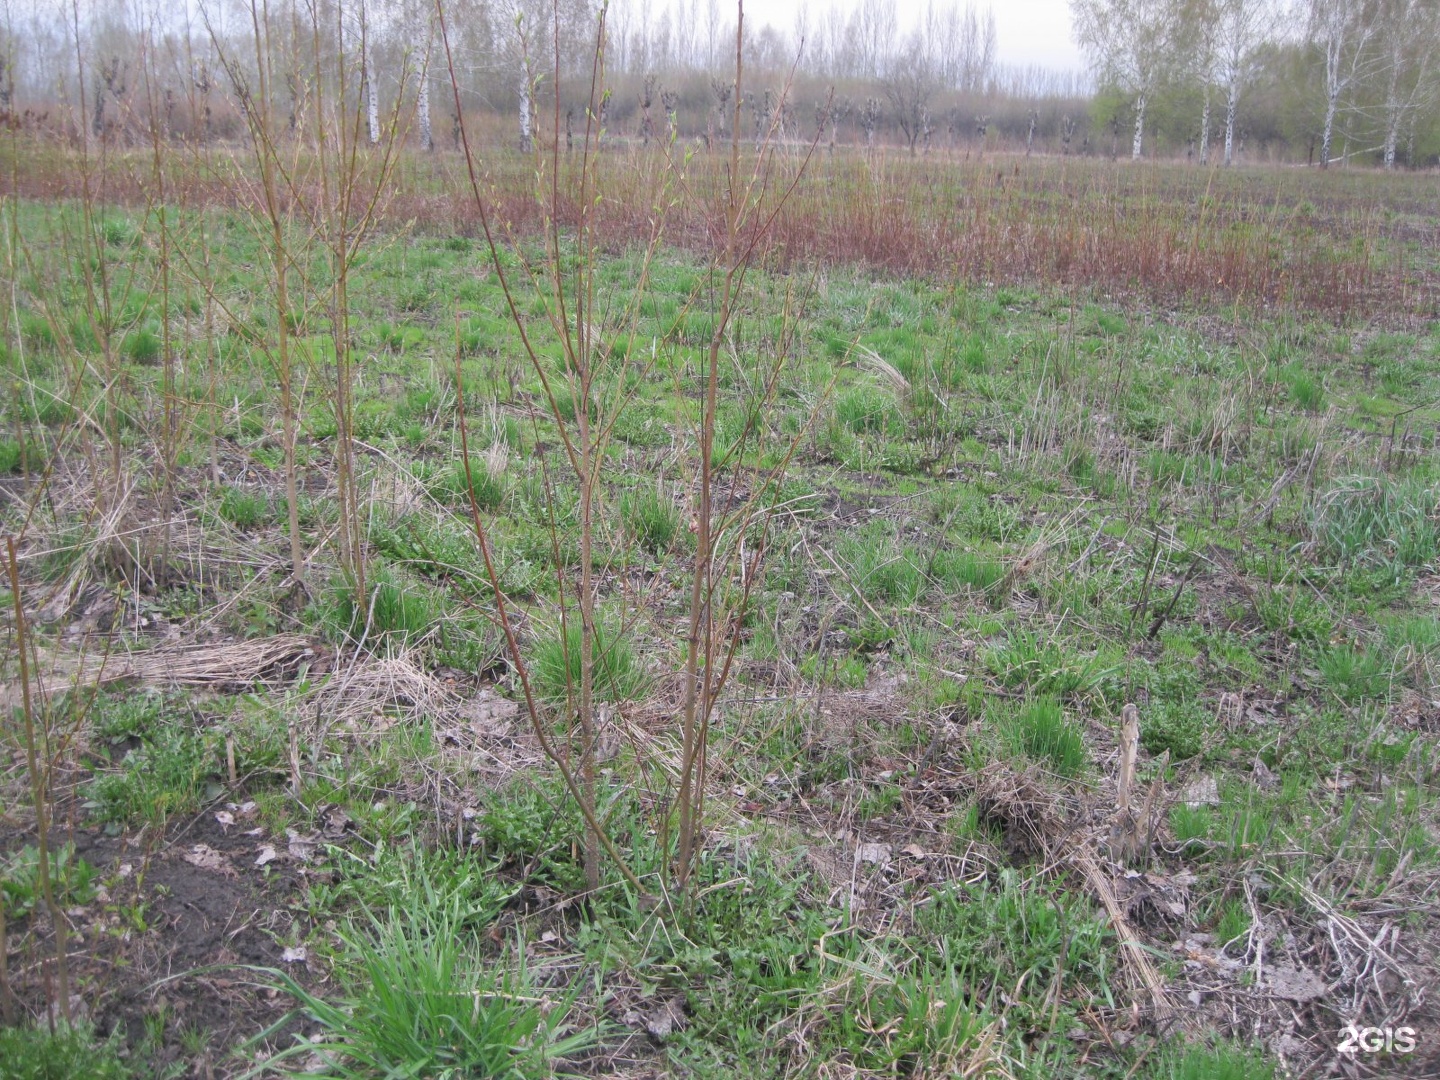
(961, 42)
(1243, 28)
(422, 38)
(1342, 30)
(1131, 45)
(1409, 41)
(910, 83)
(871, 33)
(1198, 42)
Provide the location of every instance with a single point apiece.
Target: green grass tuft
(394, 610)
(430, 1004)
(244, 509)
(966, 569)
(866, 410)
(1040, 730)
(1307, 391)
(649, 517)
(1354, 674)
(1221, 1062)
(1372, 521)
(142, 346)
(484, 481)
(617, 674)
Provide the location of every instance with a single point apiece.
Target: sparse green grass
(165, 776)
(881, 566)
(428, 1002)
(243, 508)
(35, 1053)
(73, 878)
(1042, 444)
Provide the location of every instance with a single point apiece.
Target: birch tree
(548, 26)
(1342, 31)
(1130, 44)
(872, 31)
(371, 88)
(422, 38)
(1243, 28)
(962, 44)
(1199, 42)
(1409, 37)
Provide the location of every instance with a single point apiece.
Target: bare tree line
(1331, 79)
(1364, 67)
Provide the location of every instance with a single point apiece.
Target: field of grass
(998, 484)
(1343, 244)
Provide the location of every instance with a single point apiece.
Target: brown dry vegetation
(1359, 244)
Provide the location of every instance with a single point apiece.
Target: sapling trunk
(39, 789)
(7, 1007)
(582, 446)
(169, 410)
(699, 641)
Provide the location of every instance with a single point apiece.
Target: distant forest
(1213, 81)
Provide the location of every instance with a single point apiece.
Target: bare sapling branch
(713, 629)
(38, 765)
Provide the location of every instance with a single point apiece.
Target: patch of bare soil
(1308, 966)
(163, 951)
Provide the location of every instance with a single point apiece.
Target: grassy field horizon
(698, 635)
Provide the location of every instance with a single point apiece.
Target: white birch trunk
(1232, 100)
(1334, 50)
(524, 91)
(1139, 141)
(422, 95)
(1205, 129)
(1393, 110)
(372, 98)
(1328, 132)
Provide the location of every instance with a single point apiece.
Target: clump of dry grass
(1040, 820)
(373, 692)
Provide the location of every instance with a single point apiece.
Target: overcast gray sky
(1035, 32)
(1026, 31)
